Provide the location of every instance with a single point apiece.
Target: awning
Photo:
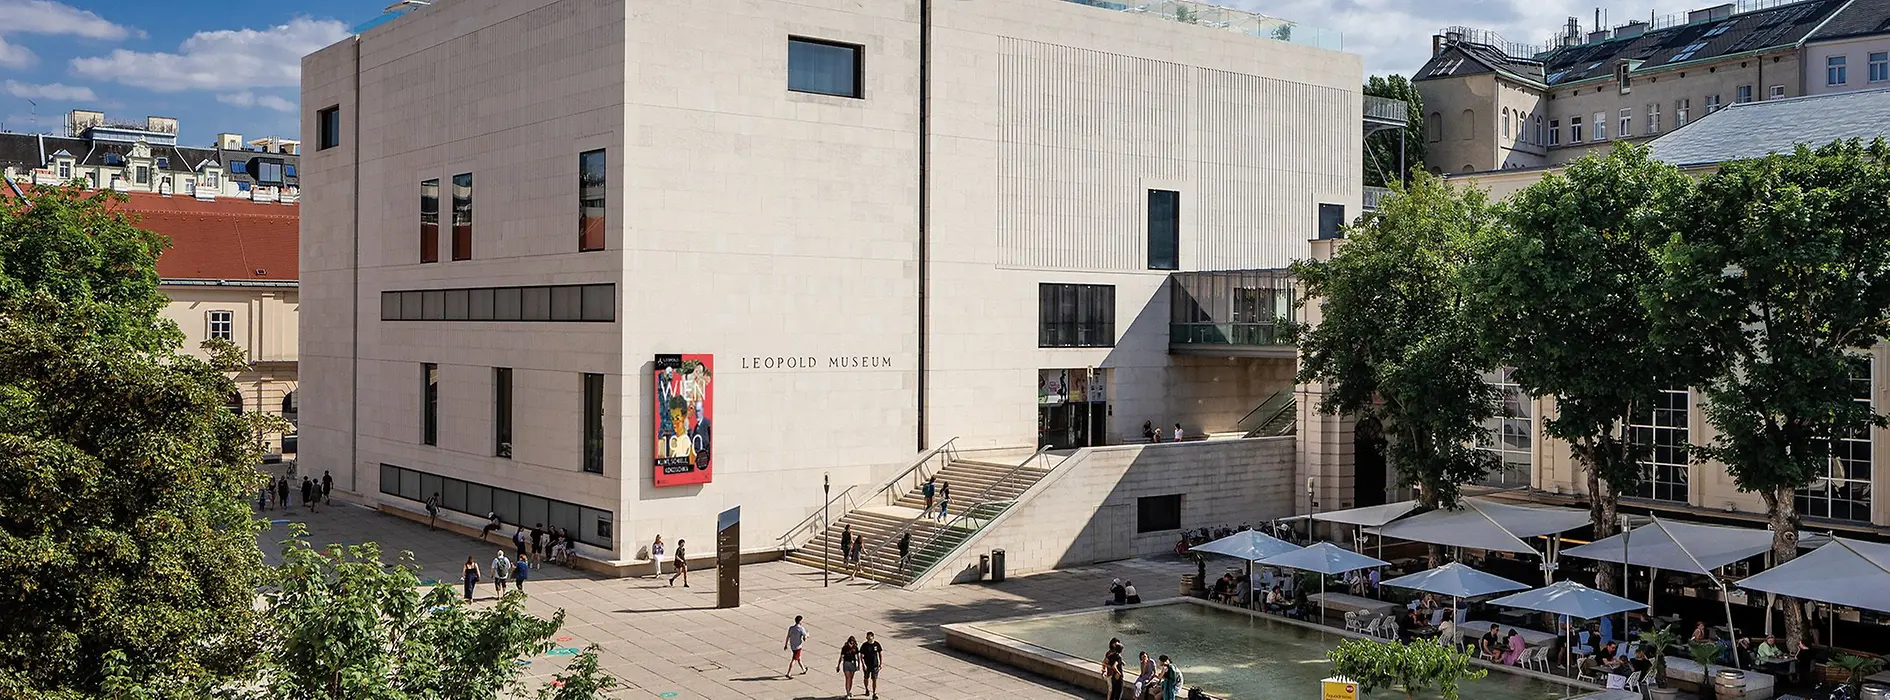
(1369, 516)
(1571, 599)
(1456, 580)
(1248, 545)
(1844, 572)
(1323, 558)
(1484, 524)
(1664, 544)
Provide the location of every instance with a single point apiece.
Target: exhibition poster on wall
(685, 404)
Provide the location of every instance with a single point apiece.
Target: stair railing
(856, 496)
(1268, 411)
(980, 502)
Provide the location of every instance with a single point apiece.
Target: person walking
(1112, 671)
(846, 545)
(796, 638)
(282, 492)
(849, 662)
(328, 485)
(308, 490)
(521, 570)
(501, 572)
(538, 544)
(859, 543)
(930, 489)
(471, 574)
(870, 660)
(519, 542)
(433, 511)
(681, 565)
(944, 499)
(656, 555)
(905, 551)
(1170, 678)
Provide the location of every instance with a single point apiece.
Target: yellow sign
(1340, 689)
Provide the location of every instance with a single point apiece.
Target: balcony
(1386, 113)
(1236, 313)
(1374, 196)
(1216, 17)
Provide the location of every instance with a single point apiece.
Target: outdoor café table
(1339, 603)
(1476, 628)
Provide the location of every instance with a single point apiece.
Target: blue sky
(215, 66)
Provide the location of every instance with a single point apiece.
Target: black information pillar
(728, 558)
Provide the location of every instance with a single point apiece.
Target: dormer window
(1621, 76)
(65, 170)
(164, 163)
(114, 159)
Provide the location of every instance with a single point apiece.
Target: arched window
(1467, 130)
(1435, 129)
(234, 402)
(288, 407)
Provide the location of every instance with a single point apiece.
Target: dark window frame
(1164, 229)
(430, 403)
(592, 413)
(430, 220)
(502, 412)
(1076, 315)
(859, 67)
(561, 303)
(328, 127)
(1331, 221)
(1158, 513)
(462, 229)
(586, 241)
(476, 500)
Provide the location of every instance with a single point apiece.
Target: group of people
(1153, 433)
(1239, 590)
(1769, 655)
(942, 491)
(276, 492)
(1122, 592)
(856, 658)
(1155, 679)
(532, 549)
(853, 546)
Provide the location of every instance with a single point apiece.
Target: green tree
(1557, 296)
(1381, 147)
(127, 543)
(1393, 340)
(1783, 277)
(1421, 665)
(582, 680)
(340, 624)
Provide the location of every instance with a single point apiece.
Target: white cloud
(251, 99)
(223, 60)
(52, 91)
(1394, 36)
(47, 17)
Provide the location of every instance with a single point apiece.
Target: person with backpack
(501, 572)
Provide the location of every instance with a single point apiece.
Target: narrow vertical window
(1601, 126)
(593, 423)
(144, 175)
(502, 411)
(1627, 124)
(328, 128)
(591, 181)
(1834, 71)
(1555, 132)
(429, 220)
(1653, 118)
(1164, 230)
(429, 404)
(1879, 68)
(1743, 94)
(462, 216)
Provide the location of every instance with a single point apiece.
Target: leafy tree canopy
(1381, 148)
(1394, 339)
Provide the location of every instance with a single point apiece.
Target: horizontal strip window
(564, 303)
(589, 525)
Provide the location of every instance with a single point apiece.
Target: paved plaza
(669, 642)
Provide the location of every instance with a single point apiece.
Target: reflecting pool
(1229, 654)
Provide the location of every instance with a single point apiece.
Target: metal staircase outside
(1276, 416)
(981, 490)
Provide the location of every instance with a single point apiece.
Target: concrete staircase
(932, 539)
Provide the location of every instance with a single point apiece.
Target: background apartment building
(840, 233)
(144, 156)
(1492, 104)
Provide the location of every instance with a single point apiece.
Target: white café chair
(1634, 683)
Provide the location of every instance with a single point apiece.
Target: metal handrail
(979, 501)
(1283, 397)
(946, 449)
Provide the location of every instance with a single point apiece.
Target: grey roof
(1755, 129)
(1774, 26)
(1856, 19)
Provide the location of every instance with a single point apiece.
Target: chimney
(1630, 30)
(1572, 32)
(1437, 44)
(1710, 14)
(230, 142)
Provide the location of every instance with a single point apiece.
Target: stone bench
(1685, 672)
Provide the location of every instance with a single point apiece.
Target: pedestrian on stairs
(905, 551)
(944, 499)
(930, 489)
(846, 545)
(859, 543)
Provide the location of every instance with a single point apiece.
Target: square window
(824, 67)
(390, 306)
(453, 495)
(567, 303)
(412, 306)
(1331, 221)
(600, 303)
(535, 304)
(433, 305)
(507, 304)
(479, 305)
(456, 303)
(328, 128)
(222, 325)
(1157, 513)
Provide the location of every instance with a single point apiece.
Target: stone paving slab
(671, 642)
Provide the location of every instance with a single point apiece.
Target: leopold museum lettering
(811, 362)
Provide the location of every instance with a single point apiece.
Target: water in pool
(1230, 655)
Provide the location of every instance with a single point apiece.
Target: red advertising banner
(685, 403)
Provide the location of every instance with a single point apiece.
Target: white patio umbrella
(1247, 545)
(1323, 558)
(1571, 599)
(1457, 581)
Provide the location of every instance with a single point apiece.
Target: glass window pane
(390, 306)
(456, 305)
(431, 484)
(434, 305)
(591, 201)
(410, 484)
(531, 510)
(600, 303)
(411, 306)
(824, 68)
(505, 503)
(506, 305)
(479, 304)
(453, 496)
(565, 515)
(430, 221)
(567, 303)
(478, 499)
(462, 216)
(536, 304)
(1164, 230)
(390, 479)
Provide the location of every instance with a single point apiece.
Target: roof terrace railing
(1217, 17)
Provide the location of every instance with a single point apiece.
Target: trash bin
(1730, 684)
(997, 565)
(1874, 691)
(984, 565)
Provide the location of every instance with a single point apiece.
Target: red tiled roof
(225, 239)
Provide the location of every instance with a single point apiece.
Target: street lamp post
(826, 485)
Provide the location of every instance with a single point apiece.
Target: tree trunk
(1782, 513)
(1603, 504)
